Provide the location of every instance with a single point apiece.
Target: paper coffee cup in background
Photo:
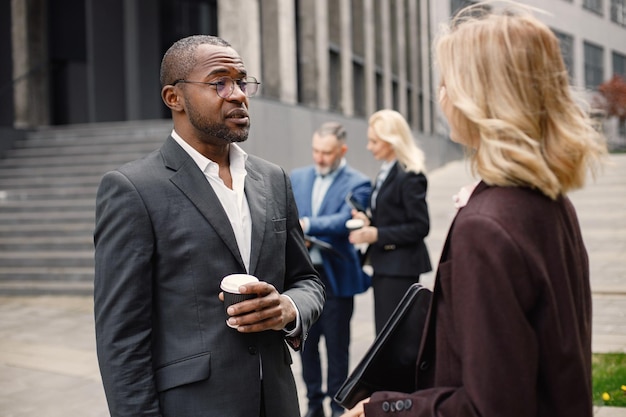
(354, 224)
(230, 286)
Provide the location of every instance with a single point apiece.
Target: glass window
(618, 11)
(380, 91)
(619, 65)
(594, 65)
(593, 5)
(567, 51)
(358, 88)
(335, 80)
(456, 5)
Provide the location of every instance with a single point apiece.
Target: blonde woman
(509, 331)
(399, 219)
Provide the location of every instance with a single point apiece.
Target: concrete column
(427, 113)
(369, 67)
(401, 41)
(414, 59)
(347, 84)
(308, 65)
(288, 68)
(323, 61)
(386, 52)
(243, 32)
(30, 63)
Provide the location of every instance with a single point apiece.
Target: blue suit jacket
(344, 272)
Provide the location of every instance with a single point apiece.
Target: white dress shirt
(234, 201)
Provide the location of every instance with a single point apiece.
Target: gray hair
(332, 128)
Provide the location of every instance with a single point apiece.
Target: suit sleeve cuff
(297, 329)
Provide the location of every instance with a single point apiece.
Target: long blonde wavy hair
(391, 127)
(509, 90)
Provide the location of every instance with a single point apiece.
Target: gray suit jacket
(163, 243)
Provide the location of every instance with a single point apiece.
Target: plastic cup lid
(231, 283)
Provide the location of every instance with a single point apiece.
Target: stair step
(59, 171)
(59, 285)
(48, 217)
(76, 204)
(48, 229)
(48, 186)
(40, 243)
(13, 273)
(55, 161)
(39, 149)
(47, 258)
(13, 183)
(83, 132)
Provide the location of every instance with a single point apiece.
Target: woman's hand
(367, 234)
(362, 216)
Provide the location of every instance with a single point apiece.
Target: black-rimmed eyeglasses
(225, 86)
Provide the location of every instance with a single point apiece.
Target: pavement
(48, 364)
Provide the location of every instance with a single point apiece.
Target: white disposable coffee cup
(230, 286)
(354, 224)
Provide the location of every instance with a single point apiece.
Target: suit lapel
(193, 184)
(305, 193)
(393, 172)
(257, 201)
(331, 193)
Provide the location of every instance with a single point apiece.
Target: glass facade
(594, 65)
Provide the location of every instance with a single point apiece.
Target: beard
(323, 171)
(214, 129)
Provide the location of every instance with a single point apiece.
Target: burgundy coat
(509, 330)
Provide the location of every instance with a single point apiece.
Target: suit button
(385, 406)
(252, 350)
(424, 366)
(389, 247)
(399, 405)
(408, 404)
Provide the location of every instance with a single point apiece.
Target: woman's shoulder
(510, 206)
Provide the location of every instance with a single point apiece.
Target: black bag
(389, 364)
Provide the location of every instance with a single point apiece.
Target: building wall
(282, 133)
(570, 18)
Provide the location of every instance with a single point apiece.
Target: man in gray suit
(169, 227)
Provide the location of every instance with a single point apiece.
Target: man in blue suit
(320, 191)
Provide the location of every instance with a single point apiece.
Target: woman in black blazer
(398, 221)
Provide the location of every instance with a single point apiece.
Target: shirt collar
(387, 165)
(237, 155)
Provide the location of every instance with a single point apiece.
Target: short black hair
(180, 59)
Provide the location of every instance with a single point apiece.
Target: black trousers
(388, 291)
(334, 327)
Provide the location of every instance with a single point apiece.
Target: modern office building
(90, 61)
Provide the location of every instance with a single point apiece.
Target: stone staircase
(48, 184)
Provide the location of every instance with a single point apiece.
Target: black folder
(389, 364)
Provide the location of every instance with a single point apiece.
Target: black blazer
(163, 243)
(401, 216)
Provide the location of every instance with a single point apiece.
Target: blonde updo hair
(508, 86)
(391, 127)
